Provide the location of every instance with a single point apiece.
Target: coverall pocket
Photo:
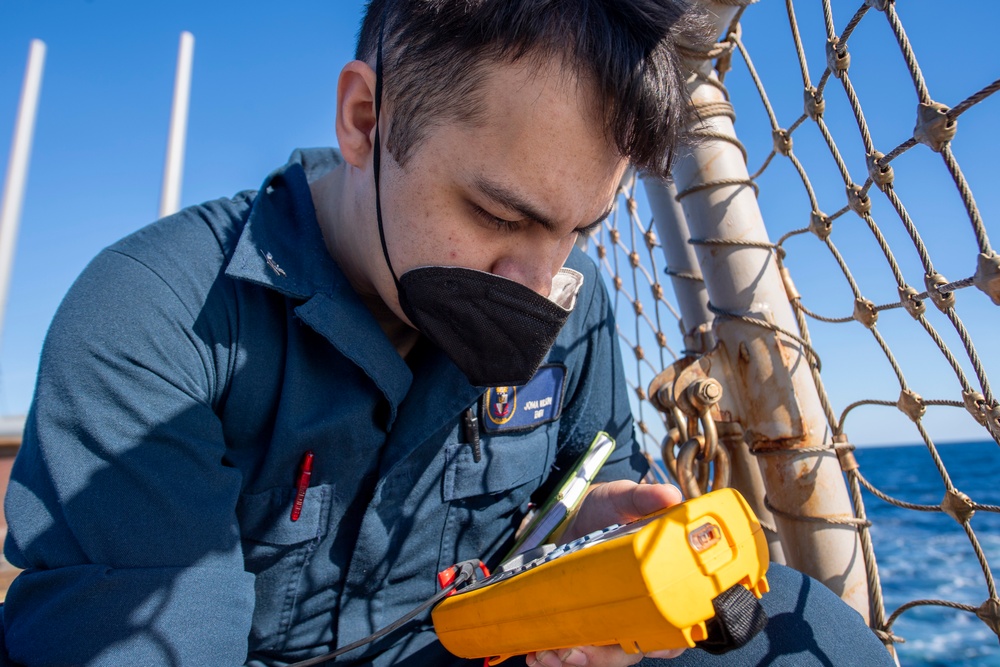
(508, 461)
(488, 499)
(266, 517)
(276, 550)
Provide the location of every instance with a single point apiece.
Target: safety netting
(856, 159)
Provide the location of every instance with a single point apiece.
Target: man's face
(506, 195)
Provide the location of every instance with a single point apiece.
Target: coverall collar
(281, 247)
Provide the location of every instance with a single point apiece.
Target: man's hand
(606, 504)
(619, 502)
(596, 656)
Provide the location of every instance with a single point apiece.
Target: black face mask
(495, 330)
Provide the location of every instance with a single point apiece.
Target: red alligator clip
(447, 576)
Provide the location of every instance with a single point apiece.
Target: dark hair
(435, 53)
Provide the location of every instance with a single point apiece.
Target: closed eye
(591, 228)
(500, 224)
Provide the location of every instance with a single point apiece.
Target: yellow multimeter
(648, 585)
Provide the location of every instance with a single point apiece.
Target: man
(258, 428)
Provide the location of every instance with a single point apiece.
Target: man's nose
(528, 269)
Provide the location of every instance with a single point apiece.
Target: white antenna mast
(17, 167)
(170, 195)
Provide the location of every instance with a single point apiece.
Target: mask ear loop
(377, 158)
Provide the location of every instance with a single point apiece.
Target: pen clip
(302, 484)
(470, 427)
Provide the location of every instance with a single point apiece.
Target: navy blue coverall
(184, 377)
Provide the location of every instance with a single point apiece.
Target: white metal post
(672, 228)
(173, 170)
(17, 167)
(696, 319)
(781, 411)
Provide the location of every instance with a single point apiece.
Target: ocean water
(925, 555)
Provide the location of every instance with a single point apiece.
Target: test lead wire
(466, 571)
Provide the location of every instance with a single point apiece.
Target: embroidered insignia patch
(520, 408)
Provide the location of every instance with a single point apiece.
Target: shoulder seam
(209, 373)
(155, 273)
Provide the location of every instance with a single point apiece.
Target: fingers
(623, 501)
(643, 499)
(568, 656)
(594, 656)
(620, 502)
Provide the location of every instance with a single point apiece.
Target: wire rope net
(898, 286)
(627, 251)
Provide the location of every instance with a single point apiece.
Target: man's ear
(356, 112)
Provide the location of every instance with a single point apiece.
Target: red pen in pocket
(302, 484)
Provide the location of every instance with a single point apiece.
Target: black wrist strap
(738, 617)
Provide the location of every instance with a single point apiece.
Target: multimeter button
(521, 561)
(555, 554)
(593, 536)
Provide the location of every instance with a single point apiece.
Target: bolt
(704, 393)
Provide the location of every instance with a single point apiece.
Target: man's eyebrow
(514, 202)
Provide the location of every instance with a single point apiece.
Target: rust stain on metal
(744, 353)
(763, 376)
(711, 159)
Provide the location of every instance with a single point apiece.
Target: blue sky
(264, 83)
